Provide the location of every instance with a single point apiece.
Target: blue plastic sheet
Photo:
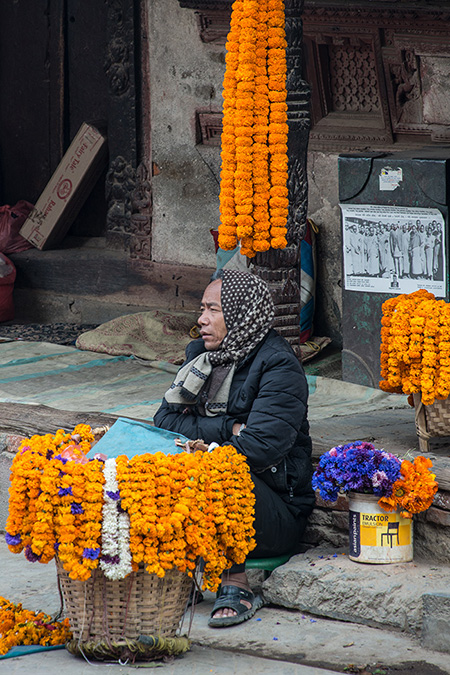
(23, 650)
(130, 437)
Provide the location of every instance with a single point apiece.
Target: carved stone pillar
(281, 268)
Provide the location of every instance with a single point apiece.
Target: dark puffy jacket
(269, 394)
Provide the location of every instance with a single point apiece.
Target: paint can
(375, 535)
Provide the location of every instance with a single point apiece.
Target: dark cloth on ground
(56, 333)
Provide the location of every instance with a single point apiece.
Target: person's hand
(237, 428)
(192, 446)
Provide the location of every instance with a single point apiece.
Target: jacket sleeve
(278, 413)
(193, 426)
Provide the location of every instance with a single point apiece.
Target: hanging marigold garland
(253, 191)
(415, 346)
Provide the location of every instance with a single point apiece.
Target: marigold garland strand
(415, 346)
(253, 192)
(163, 511)
(20, 626)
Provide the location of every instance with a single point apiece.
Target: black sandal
(230, 597)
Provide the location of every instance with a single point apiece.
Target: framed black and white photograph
(393, 249)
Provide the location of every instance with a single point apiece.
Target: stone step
(325, 582)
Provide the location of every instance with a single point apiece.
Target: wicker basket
(116, 614)
(432, 421)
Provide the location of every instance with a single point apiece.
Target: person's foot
(240, 581)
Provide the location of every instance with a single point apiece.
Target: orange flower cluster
(186, 506)
(415, 346)
(56, 499)
(253, 191)
(23, 627)
(415, 491)
(181, 507)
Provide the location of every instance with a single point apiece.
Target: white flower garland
(115, 558)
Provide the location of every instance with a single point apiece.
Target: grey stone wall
(185, 75)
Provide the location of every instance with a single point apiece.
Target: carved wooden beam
(128, 188)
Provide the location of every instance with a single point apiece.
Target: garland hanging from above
(253, 191)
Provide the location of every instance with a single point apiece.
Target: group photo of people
(393, 247)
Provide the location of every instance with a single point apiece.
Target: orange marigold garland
(19, 626)
(181, 507)
(415, 346)
(253, 195)
(187, 506)
(227, 230)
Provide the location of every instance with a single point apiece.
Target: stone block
(442, 500)
(325, 582)
(340, 520)
(436, 621)
(438, 516)
(431, 541)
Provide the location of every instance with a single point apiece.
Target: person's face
(211, 321)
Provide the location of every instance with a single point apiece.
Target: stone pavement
(276, 640)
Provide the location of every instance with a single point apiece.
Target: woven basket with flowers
(415, 359)
(127, 535)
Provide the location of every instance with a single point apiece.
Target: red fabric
(7, 278)
(11, 220)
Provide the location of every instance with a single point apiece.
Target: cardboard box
(67, 190)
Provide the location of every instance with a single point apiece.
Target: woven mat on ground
(154, 336)
(69, 379)
(66, 378)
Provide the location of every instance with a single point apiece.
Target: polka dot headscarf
(248, 312)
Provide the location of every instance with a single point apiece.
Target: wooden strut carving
(128, 183)
(281, 268)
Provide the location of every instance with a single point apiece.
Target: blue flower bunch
(356, 467)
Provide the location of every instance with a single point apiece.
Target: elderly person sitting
(242, 385)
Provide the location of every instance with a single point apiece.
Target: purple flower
(111, 560)
(65, 491)
(113, 495)
(64, 460)
(91, 553)
(56, 546)
(76, 508)
(13, 539)
(357, 467)
(30, 556)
